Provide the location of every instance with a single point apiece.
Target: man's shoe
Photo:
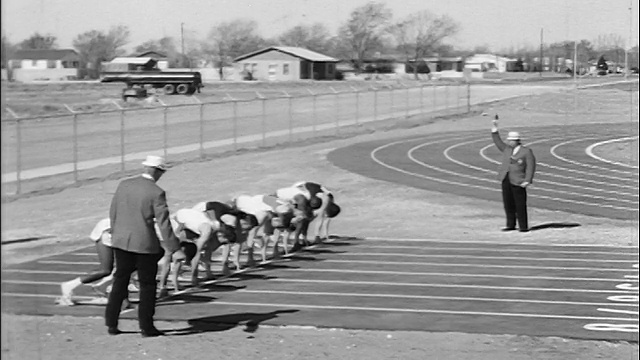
(114, 331)
(508, 229)
(151, 333)
(524, 230)
(297, 246)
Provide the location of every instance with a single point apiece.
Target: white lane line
(392, 296)
(448, 241)
(379, 309)
(387, 272)
(606, 176)
(414, 159)
(555, 147)
(424, 311)
(369, 246)
(529, 267)
(468, 166)
(589, 151)
(444, 256)
(429, 297)
(457, 286)
(399, 263)
(487, 257)
(409, 273)
(492, 189)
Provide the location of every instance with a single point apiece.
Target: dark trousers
(126, 263)
(514, 198)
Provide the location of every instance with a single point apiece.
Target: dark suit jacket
(136, 204)
(520, 167)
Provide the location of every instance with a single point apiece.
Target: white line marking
(492, 189)
(555, 147)
(589, 151)
(563, 268)
(428, 297)
(423, 311)
(461, 286)
(410, 273)
(500, 250)
(374, 238)
(606, 176)
(619, 311)
(463, 164)
(415, 160)
(486, 257)
(360, 308)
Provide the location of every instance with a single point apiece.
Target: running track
(586, 292)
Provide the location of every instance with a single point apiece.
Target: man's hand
(494, 124)
(524, 184)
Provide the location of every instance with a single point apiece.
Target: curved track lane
(568, 177)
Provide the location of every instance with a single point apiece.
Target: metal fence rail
(56, 150)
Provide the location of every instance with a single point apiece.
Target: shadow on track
(251, 321)
(554, 225)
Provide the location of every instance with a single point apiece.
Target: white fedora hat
(156, 162)
(513, 135)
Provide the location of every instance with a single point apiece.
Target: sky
(497, 24)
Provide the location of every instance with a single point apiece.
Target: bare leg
(226, 249)
(201, 243)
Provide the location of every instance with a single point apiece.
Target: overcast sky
(499, 24)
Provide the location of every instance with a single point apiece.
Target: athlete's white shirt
(192, 219)
(288, 193)
(101, 227)
(254, 205)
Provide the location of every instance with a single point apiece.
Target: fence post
(337, 101)
(290, 119)
(235, 125)
(421, 99)
(375, 104)
(166, 132)
(18, 155)
(468, 97)
(75, 148)
(357, 104)
(457, 98)
(406, 114)
(201, 130)
(392, 102)
(264, 122)
(446, 100)
(433, 110)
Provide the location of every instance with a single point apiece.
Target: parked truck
(138, 73)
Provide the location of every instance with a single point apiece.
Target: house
(126, 64)
(44, 65)
(438, 66)
(282, 63)
(161, 59)
(488, 62)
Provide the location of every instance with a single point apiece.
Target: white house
(44, 65)
(487, 62)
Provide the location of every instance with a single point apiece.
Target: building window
(285, 69)
(330, 68)
(34, 63)
(51, 64)
(16, 64)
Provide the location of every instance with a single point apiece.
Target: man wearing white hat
(516, 173)
(137, 206)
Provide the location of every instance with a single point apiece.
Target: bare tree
(96, 46)
(39, 42)
(229, 40)
(314, 37)
(423, 33)
(365, 29)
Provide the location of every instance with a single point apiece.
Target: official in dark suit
(516, 173)
(139, 204)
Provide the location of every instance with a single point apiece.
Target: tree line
(369, 30)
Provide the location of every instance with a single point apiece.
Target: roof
(151, 53)
(50, 54)
(293, 51)
(132, 60)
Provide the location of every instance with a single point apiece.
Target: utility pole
(628, 47)
(575, 62)
(182, 41)
(541, 42)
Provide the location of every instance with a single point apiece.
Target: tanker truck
(138, 73)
